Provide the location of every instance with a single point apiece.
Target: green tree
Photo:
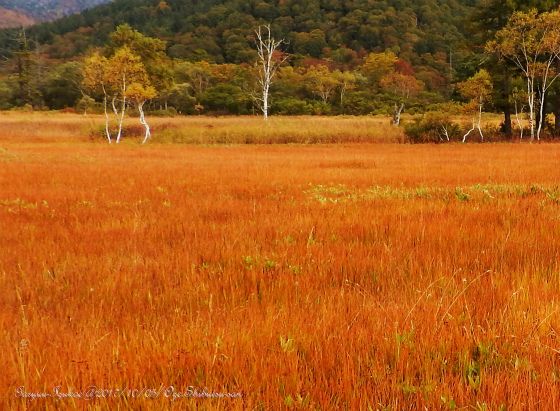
(322, 82)
(347, 81)
(198, 75)
(401, 87)
(61, 88)
(311, 44)
(478, 90)
(6, 95)
(378, 65)
(27, 72)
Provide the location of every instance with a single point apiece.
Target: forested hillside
(422, 32)
(343, 56)
(428, 36)
(13, 18)
(14, 13)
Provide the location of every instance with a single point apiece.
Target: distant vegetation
(387, 57)
(40, 10)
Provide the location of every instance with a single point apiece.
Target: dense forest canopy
(421, 32)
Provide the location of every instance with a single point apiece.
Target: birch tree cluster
(531, 42)
(125, 78)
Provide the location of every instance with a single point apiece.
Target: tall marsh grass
(350, 276)
(207, 130)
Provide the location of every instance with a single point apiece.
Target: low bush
(434, 127)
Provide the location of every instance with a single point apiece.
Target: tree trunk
(469, 132)
(121, 119)
(123, 108)
(445, 133)
(265, 102)
(266, 48)
(531, 106)
(479, 122)
(541, 119)
(519, 122)
(397, 114)
(508, 129)
(144, 122)
(107, 131)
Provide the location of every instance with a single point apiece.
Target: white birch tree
(139, 94)
(322, 82)
(402, 87)
(270, 58)
(95, 68)
(124, 69)
(478, 89)
(532, 42)
(519, 98)
(123, 79)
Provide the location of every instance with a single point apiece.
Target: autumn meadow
(346, 273)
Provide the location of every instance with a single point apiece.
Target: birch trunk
(531, 104)
(123, 110)
(518, 120)
(469, 132)
(397, 114)
(478, 125)
(266, 47)
(542, 114)
(107, 131)
(265, 101)
(144, 122)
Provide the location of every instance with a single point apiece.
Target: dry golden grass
(49, 126)
(314, 277)
(205, 130)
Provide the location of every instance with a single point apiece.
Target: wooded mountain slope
(15, 13)
(14, 18)
(422, 32)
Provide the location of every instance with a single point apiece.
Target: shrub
(169, 112)
(361, 102)
(434, 127)
(227, 99)
(291, 106)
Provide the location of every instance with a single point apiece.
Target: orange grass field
(332, 277)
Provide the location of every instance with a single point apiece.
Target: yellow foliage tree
(478, 90)
(122, 78)
(401, 87)
(95, 81)
(140, 93)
